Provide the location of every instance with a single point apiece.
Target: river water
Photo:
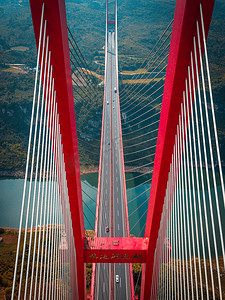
(11, 191)
(137, 194)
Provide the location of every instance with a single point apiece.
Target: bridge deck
(112, 212)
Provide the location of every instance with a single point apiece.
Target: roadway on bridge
(111, 208)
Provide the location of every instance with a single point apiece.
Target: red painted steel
(55, 14)
(115, 250)
(184, 28)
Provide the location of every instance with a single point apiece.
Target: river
(11, 194)
(11, 191)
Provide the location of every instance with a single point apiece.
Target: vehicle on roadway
(117, 278)
(107, 229)
(107, 102)
(108, 143)
(113, 107)
(115, 89)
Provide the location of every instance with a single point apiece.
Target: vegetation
(140, 24)
(7, 261)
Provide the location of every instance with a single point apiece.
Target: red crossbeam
(115, 250)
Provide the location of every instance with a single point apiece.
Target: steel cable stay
(79, 86)
(87, 79)
(204, 143)
(82, 98)
(142, 166)
(157, 98)
(139, 136)
(144, 98)
(79, 117)
(143, 157)
(212, 103)
(83, 173)
(149, 80)
(84, 113)
(142, 182)
(46, 202)
(79, 91)
(80, 125)
(136, 210)
(33, 156)
(81, 74)
(145, 141)
(141, 115)
(211, 156)
(151, 52)
(88, 221)
(192, 180)
(88, 196)
(94, 153)
(193, 221)
(88, 208)
(143, 82)
(82, 141)
(131, 153)
(91, 187)
(44, 191)
(144, 120)
(134, 131)
(85, 64)
(143, 227)
(83, 61)
(79, 70)
(141, 96)
(49, 206)
(84, 155)
(42, 169)
(138, 176)
(138, 279)
(76, 99)
(130, 201)
(197, 175)
(92, 138)
(91, 153)
(139, 219)
(131, 96)
(39, 149)
(82, 84)
(148, 96)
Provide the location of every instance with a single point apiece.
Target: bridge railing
(185, 219)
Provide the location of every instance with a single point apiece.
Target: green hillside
(140, 23)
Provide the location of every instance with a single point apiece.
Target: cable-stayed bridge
(162, 126)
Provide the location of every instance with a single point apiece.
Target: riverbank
(83, 171)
